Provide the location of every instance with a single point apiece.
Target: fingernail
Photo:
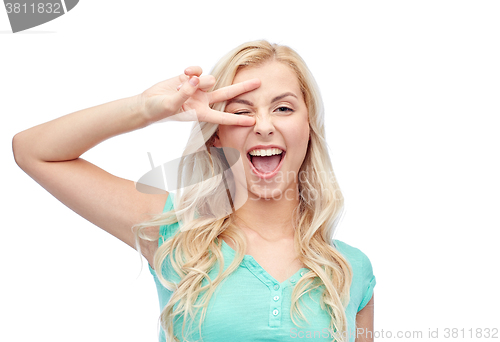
(187, 71)
(194, 81)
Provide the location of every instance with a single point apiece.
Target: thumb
(186, 91)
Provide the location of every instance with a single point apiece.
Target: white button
(276, 287)
(292, 281)
(275, 312)
(302, 273)
(276, 298)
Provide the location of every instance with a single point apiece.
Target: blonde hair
(196, 248)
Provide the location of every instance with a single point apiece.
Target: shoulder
(166, 230)
(169, 230)
(355, 256)
(363, 279)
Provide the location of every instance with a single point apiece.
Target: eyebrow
(248, 103)
(279, 97)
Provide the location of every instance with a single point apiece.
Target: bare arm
(364, 323)
(68, 137)
(50, 152)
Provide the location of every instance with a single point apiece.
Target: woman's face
(274, 149)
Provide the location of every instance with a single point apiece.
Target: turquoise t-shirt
(250, 305)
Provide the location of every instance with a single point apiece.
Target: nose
(264, 125)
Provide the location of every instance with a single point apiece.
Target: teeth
(268, 152)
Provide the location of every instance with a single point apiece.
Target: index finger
(223, 118)
(227, 93)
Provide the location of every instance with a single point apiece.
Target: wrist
(137, 110)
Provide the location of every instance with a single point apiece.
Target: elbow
(17, 150)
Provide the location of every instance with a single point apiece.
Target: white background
(411, 90)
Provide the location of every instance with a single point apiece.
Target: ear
(217, 142)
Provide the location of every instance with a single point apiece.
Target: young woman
(245, 252)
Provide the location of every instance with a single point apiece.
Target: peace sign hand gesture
(189, 92)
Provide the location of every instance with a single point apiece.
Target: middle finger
(226, 93)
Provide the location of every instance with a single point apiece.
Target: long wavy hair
(195, 249)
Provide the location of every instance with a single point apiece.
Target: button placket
(275, 305)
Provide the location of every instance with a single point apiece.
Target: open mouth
(266, 162)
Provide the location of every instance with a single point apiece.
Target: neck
(270, 218)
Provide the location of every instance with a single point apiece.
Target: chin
(278, 193)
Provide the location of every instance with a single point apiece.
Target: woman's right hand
(50, 152)
(188, 92)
